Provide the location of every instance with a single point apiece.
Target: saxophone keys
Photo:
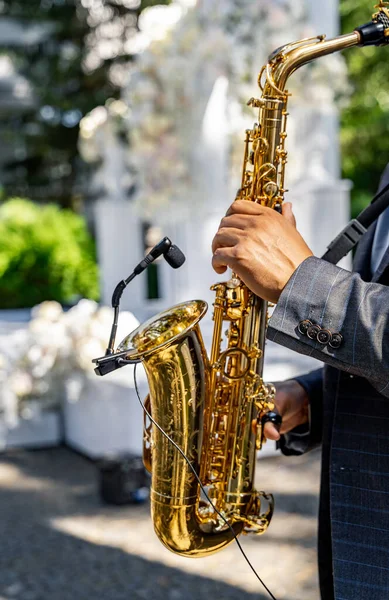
(254, 354)
(233, 283)
(282, 155)
(256, 102)
(271, 190)
(234, 313)
(270, 392)
(256, 521)
(258, 432)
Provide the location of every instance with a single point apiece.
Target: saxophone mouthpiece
(376, 33)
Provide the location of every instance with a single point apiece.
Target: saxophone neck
(265, 143)
(287, 59)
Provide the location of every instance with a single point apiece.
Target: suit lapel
(362, 258)
(382, 268)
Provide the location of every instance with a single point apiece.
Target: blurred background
(122, 121)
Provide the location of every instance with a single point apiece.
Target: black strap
(356, 229)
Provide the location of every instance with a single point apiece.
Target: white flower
(9, 404)
(85, 351)
(74, 387)
(156, 21)
(58, 347)
(3, 362)
(21, 383)
(49, 311)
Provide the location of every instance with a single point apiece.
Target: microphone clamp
(107, 364)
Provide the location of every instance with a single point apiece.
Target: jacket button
(313, 331)
(304, 326)
(336, 340)
(324, 336)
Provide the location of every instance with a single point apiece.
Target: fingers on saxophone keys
(236, 221)
(245, 207)
(226, 237)
(222, 258)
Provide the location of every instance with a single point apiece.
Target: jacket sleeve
(351, 315)
(306, 437)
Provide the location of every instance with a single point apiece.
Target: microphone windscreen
(174, 257)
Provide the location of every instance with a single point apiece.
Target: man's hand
(261, 246)
(292, 404)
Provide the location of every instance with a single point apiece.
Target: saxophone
(213, 408)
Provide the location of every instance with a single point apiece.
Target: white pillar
(120, 248)
(118, 223)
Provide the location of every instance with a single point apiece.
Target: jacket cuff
(307, 301)
(296, 442)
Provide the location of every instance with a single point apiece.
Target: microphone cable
(177, 447)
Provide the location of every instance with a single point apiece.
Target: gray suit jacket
(349, 414)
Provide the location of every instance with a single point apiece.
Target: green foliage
(46, 253)
(365, 122)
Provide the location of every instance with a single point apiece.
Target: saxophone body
(212, 407)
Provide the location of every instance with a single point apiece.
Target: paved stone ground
(58, 542)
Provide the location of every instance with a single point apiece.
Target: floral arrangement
(170, 85)
(53, 356)
(182, 49)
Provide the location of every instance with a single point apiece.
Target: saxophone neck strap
(349, 237)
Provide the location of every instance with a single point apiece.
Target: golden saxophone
(213, 407)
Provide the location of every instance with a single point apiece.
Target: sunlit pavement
(59, 542)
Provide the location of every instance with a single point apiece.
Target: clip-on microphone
(175, 258)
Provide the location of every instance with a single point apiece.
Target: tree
(365, 121)
(75, 61)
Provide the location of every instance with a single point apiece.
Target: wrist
(303, 400)
(294, 265)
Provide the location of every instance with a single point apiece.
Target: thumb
(287, 212)
(271, 432)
